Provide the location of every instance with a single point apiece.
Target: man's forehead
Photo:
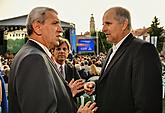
(51, 14)
(109, 15)
(110, 12)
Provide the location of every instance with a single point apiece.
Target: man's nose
(104, 28)
(60, 29)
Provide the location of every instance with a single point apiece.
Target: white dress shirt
(58, 67)
(114, 49)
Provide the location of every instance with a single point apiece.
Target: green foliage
(15, 45)
(160, 42)
(155, 30)
(103, 44)
(93, 34)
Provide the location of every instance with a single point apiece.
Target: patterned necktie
(61, 70)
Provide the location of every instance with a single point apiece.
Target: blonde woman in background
(93, 71)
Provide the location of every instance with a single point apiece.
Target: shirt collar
(58, 65)
(43, 47)
(115, 47)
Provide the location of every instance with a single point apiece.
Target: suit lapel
(63, 80)
(31, 43)
(106, 60)
(66, 71)
(115, 58)
(59, 74)
(121, 50)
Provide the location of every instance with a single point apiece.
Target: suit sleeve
(35, 87)
(76, 74)
(146, 80)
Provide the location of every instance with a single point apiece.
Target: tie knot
(61, 67)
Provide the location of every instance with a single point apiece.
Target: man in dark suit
(69, 72)
(34, 82)
(130, 80)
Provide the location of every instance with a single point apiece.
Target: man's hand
(76, 86)
(88, 108)
(89, 87)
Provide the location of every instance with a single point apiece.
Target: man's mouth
(61, 56)
(107, 35)
(59, 36)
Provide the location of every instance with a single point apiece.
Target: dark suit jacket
(34, 84)
(71, 72)
(132, 81)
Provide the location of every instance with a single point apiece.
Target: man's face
(51, 30)
(61, 53)
(111, 27)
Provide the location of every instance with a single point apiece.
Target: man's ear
(125, 25)
(37, 27)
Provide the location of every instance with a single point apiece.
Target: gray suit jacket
(35, 85)
(132, 81)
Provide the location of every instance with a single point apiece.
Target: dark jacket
(71, 72)
(132, 81)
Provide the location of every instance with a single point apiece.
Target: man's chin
(61, 58)
(109, 41)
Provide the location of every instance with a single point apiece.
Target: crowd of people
(5, 62)
(43, 78)
(86, 65)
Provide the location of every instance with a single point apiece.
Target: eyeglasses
(59, 49)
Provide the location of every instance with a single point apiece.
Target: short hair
(37, 14)
(63, 40)
(121, 15)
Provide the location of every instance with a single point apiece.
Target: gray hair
(37, 14)
(122, 14)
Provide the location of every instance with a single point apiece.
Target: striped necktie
(61, 70)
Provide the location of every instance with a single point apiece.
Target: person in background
(5, 72)
(69, 73)
(0, 93)
(35, 84)
(93, 71)
(130, 80)
(3, 96)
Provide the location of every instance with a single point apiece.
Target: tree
(93, 34)
(103, 44)
(155, 30)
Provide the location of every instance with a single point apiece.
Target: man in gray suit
(34, 82)
(130, 80)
